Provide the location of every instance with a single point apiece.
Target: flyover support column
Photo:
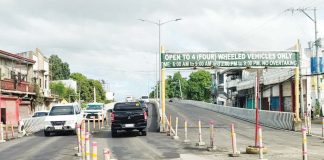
(163, 98)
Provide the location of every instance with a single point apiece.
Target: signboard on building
(231, 59)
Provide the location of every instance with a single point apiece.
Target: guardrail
(274, 119)
(31, 125)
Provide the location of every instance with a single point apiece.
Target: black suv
(128, 116)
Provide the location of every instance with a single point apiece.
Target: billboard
(231, 59)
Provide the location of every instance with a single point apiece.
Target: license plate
(129, 125)
(92, 116)
(58, 127)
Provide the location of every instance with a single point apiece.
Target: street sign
(231, 59)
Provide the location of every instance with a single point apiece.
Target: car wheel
(46, 133)
(143, 133)
(113, 133)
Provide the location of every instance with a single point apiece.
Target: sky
(103, 39)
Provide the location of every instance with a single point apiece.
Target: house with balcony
(41, 77)
(17, 91)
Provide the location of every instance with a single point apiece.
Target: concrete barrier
(274, 119)
(32, 125)
(159, 114)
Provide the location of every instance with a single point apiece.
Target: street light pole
(316, 44)
(159, 24)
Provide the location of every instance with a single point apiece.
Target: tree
(57, 88)
(199, 86)
(86, 88)
(58, 69)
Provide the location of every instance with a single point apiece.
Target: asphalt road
(282, 144)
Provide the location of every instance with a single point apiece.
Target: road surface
(282, 145)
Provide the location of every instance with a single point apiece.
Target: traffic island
(256, 150)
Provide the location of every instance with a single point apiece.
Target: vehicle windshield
(144, 97)
(94, 107)
(61, 110)
(40, 114)
(128, 106)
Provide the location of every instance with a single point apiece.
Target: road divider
(78, 131)
(304, 144)
(260, 144)
(200, 142)
(1, 133)
(234, 146)
(12, 131)
(281, 120)
(87, 145)
(186, 140)
(106, 153)
(94, 151)
(31, 125)
(169, 126)
(176, 130)
(7, 137)
(83, 140)
(322, 127)
(212, 146)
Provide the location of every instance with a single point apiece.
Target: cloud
(104, 39)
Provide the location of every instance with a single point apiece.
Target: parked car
(128, 116)
(40, 114)
(145, 99)
(63, 118)
(95, 110)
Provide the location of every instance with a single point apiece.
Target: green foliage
(59, 70)
(199, 83)
(59, 89)
(86, 88)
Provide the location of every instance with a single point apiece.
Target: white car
(63, 118)
(95, 110)
(145, 99)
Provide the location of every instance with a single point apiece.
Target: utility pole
(316, 44)
(180, 89)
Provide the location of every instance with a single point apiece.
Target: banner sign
(231, 59)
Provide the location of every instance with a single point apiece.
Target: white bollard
(176, 130)
(304, 144)
(83, 139)
(99, 124)
(94, 124)
(212, 146)
(200, 143)
(234, 146)
(260, 144)
(170, 126)
(322, 128)
(87, 144)
(102, 122)
(1, 133)
(186, 140)
(94, 151)
(79, 140)
(106, 154)
(88, 124)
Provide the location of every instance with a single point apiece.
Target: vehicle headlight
(70, 122)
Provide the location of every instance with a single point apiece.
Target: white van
(63, 118)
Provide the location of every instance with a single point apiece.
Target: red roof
(15, 57)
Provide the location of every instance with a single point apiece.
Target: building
(41, 77)
(17, 90)
(277, 87)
